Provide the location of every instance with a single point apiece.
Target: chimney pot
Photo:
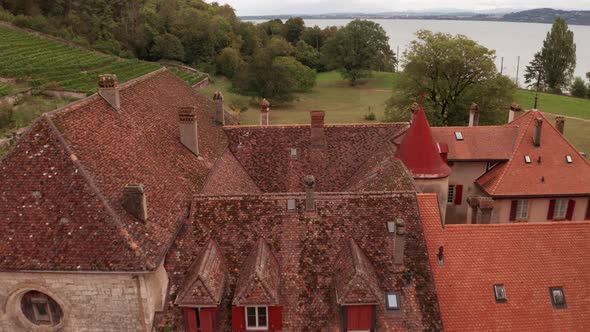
(309, 181)
(318, 137)
(134, 201)
(560, 124)
(514, 113)
(218, 107)
(537, 135)
(474, 115)
(189, 135)
(414, 110)
(264, 112)
(108, 89)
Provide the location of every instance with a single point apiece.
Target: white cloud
(269, 7)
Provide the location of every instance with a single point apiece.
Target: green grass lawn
(565, 105)
(30, 108)
(5, 89)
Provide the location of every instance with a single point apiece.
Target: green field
(6, 89)
(346, 104)
(43, 62)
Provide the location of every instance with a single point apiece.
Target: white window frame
(560, 209)
(451, 192)
(522, 209)
(258, 326)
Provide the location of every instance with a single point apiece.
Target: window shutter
(571, 205)
(190, 316)
(275, 318)
(360, 318)
(513, 210)
(208, 319)
(588, 210)
(238, 319)
(458, 194)
(551, 210)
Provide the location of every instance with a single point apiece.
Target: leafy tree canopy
(579, 88)
(558, 55)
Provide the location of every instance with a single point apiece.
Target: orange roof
(479, 142)
(527, 258)
(553, 175)
(420, 152)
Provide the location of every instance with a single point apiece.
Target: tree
(302, 77)
(167, 46)
(278, 46)
(534, 75)
(228, 62)
(308, 55)
(358, 48)
(451, 72)
(578, 88)
(559, 55)
(293, 29)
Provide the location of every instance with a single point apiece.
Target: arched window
(41, 309)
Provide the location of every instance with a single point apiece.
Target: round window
(41, 309)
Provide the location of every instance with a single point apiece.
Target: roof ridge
(565, 138)
(114, 216)
(216, 166)
(522, 224)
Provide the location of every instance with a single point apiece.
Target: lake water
(510, 40)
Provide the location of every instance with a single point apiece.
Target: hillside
(41, 62)
(548, 15)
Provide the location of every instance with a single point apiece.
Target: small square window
(293, 153)
(527, 159)
(569, 159)
(256, 318)
(392, 301)
(459, 135)
(560, 209)
(291, 204)
(500, 293)
(557, 297)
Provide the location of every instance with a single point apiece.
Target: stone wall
(90, 301)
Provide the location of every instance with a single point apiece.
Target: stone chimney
(189, 135)
(474, 115)
(515, 112)
(134, 201)
(218, 107)
(318, 137)
(400, 242)
(264, 112)
(560, 124)
(108, 88)
(309, 182)
(537, 135)
(414, 110)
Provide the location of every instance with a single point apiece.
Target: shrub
(228, 62)
(578, 88)
(6, 119)
(370, 116)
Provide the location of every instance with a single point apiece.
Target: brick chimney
(474, 115)
(134, 201)
(318, 137)
(414, 110)
(515, 112)
(400, 242)
(537, 134)
(218, 107)
(309, 182)
(264, 112)
(189, 135)
(560, 124)
(108, 88)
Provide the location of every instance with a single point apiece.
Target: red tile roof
(228, 177)
(419, 151)
(479, 142)
(86, 153)
(551, 177)
(526, 258)
(259, 279)
(355, 278)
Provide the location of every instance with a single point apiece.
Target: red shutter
(275, 318)
(458, 194)
(571, 205)
(513, 210)
(551, 209)
(588, 210)
(360, 317)
(208, 319)
(190, 316)
(238, 319)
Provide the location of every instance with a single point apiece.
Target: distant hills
(539, 15)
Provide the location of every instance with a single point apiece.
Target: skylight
(500, 293)
(392, 301)
(391, 226)
(557, 297)
(459, 136)
(527, 159)
(569, 159)
(293, 153)
(291, 204)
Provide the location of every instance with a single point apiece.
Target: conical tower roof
(420, 152)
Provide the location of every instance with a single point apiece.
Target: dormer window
(527, 159)
(569, 159)
(256, 318)
(459, 135)
(557, 297)
(392, 301)
(500, 293)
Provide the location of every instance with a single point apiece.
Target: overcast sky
(269, 7)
